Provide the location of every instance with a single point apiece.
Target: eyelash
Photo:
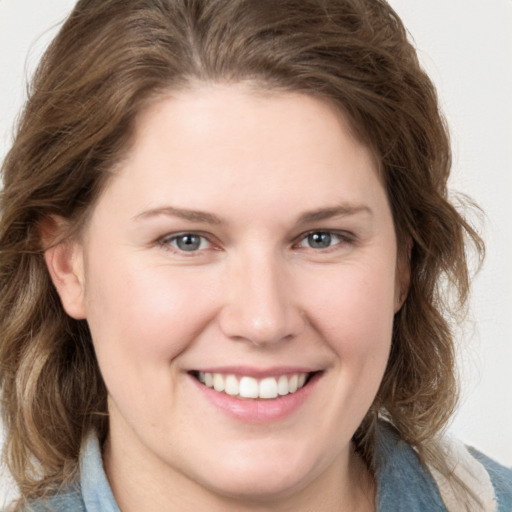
(168, 241)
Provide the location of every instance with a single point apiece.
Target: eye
(321, 240)
(186, 242)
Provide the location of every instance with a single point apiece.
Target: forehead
(221, 145)
(232, 114)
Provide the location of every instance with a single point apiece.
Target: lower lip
(258, 410)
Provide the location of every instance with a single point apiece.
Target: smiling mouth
(246, 387)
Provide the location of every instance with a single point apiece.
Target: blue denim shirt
(403, 483)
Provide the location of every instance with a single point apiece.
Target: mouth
(245, 387)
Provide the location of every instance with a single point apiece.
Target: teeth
(293, 383)
(232, 387)
(218, 382)
(268, 388)
(249, 387)
(282, 385)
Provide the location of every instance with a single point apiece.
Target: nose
(260, 304)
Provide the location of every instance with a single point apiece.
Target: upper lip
(257, 373)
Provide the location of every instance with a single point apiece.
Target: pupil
(319, 240)
(188, 242)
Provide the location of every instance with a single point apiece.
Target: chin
(256, 487)
(263, 479)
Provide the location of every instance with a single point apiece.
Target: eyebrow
(190, 215)
(320, 214)
(343, 210)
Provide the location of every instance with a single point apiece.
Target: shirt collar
(96, 491)
(403, 483)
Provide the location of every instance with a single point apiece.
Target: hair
(110, 59)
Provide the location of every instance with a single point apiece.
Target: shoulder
(501, 478)
(404, 484)
(489, 482)
(401, 473)
(69, 500)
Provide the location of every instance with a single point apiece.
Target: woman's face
(244, 249)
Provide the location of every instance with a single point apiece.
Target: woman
(224, 232)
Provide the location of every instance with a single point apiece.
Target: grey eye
(188, 242)
(319, 240)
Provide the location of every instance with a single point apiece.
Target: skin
(255, 293)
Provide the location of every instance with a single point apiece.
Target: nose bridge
(260, 307)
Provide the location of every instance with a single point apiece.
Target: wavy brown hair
(109, 60)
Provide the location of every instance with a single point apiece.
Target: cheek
(353, 310)
(141, 312)
(141, 321)
(353, 314)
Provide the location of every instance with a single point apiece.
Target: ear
(403, 275)
(64, 258)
